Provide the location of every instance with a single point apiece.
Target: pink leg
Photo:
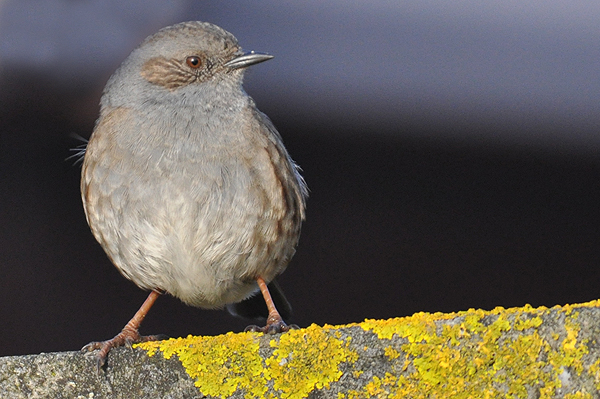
(275, 323)
(128, 335)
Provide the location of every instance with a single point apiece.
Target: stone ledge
(521, 352)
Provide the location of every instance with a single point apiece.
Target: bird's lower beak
(246, 59)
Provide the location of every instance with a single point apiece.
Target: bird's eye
(193, 61)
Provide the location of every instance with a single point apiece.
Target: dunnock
(185, 183)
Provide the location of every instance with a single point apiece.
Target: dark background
(452, 152)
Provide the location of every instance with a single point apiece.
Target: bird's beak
(246, 59)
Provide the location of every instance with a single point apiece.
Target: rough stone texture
(131, 374)
(517, 353)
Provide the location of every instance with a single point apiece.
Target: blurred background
(452, 150)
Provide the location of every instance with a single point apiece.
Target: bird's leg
(275, 323)
(129, 334)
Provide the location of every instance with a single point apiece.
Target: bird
(185, 184)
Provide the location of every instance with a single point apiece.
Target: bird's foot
(127, 337)
(275, 325)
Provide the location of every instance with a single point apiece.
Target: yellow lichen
(385, 329)
(219, 365)
(485, 365)
(524, 324)
(571, 350)
(475, 353)
(594, 371)
(391, 353)
(376, 388)
(304, 360)
(579, 395)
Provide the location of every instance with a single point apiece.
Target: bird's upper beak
(246, 59)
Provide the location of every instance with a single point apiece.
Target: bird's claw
(124, 338)
(274, 326)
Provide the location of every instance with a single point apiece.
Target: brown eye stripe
(168, 73)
